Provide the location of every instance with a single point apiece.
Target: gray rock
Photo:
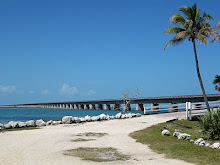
(123, 116)
(30, 123)
(67, 119)
(107, 117)
(22, 124)
(191, 141)
(118, 116)
(82, 119)
(198, 141)
(138, 115)
(176, 134)
(49, 122)
(207, 144)
(202, 143)
(129, 115)
(94, 118)
(75, 120)
(40, 123)
(184, 136)
(87, 118)
(7, 126)
(165, 132)
(13, 124)
(54, 123)
(112, 117)
(215, 145)
(102, 117)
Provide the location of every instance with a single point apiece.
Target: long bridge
(115, 104)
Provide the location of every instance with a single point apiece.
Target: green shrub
(210, 124)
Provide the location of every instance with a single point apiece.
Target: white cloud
(7, 89)
(91, 92)
(67, 90)
(45, 92)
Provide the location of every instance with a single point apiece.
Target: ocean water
(24, 114)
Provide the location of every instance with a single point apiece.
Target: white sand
(45, 146)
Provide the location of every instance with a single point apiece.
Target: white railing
(188, 107)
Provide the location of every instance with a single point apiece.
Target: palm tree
(218, 24)
(217, 81)
(194, 26)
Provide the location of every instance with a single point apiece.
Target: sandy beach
(46, 146)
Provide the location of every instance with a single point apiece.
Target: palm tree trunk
(199, 76)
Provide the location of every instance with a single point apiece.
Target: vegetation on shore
(178, 149)
(19, 129)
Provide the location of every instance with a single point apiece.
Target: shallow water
(24, 114)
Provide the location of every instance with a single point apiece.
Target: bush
(210, 124)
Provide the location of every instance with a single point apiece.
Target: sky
(69, 50)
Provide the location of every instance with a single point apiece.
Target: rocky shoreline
(66, 120)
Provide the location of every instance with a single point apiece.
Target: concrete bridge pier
(154, 106)
(67, 106)
(99, 107)
(107, 107)
(71, 106)
(92, 106)
(81, 106)
(117, 107)
(173, 107)
(139, 107)
(86, 106)
(75, 106)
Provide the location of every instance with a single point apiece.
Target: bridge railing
(190, 108)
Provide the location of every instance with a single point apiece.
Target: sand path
(45, 146)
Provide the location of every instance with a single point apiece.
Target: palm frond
(217, 79)
(181, 36)
(178, 19)
(218, 24)
(174, 30)
(202, 39)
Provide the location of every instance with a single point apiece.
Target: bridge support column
(139, 107)
(154, 106)
(127, 107)
(91, 106)
(86, 106)
(71, 106)
(99, 107)
(63, 107)
(107, 107)
(67, 106)
(173, 107)
(117, 107)
(81, 106)
(75, 106)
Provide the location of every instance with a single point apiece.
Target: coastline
(46, 145)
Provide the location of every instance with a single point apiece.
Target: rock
(165, 133)
(133, 115)
(202, 143)
(30, 123)
(207, 144)
(176, 134)
(118, 116)
(49, 122)
(184, 136)
(22, 124)
(13, 124)
(198, 141)
(138, 115)
(67, 119)
(82, 119)
(87, 118)
(7, 126)
(215, 145)
(107, 117)
(59, 122)
(54, 123)
(129, 115)
(40, 123)
(112, 117)
(94, 118)
(122, 116)
(102, 117)
(191, 141)
(75, 120)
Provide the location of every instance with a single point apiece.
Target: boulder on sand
(40, 123)
(67, 120)
(30, 123)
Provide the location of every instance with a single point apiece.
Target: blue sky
(62, 50)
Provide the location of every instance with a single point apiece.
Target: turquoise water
(25, 114)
